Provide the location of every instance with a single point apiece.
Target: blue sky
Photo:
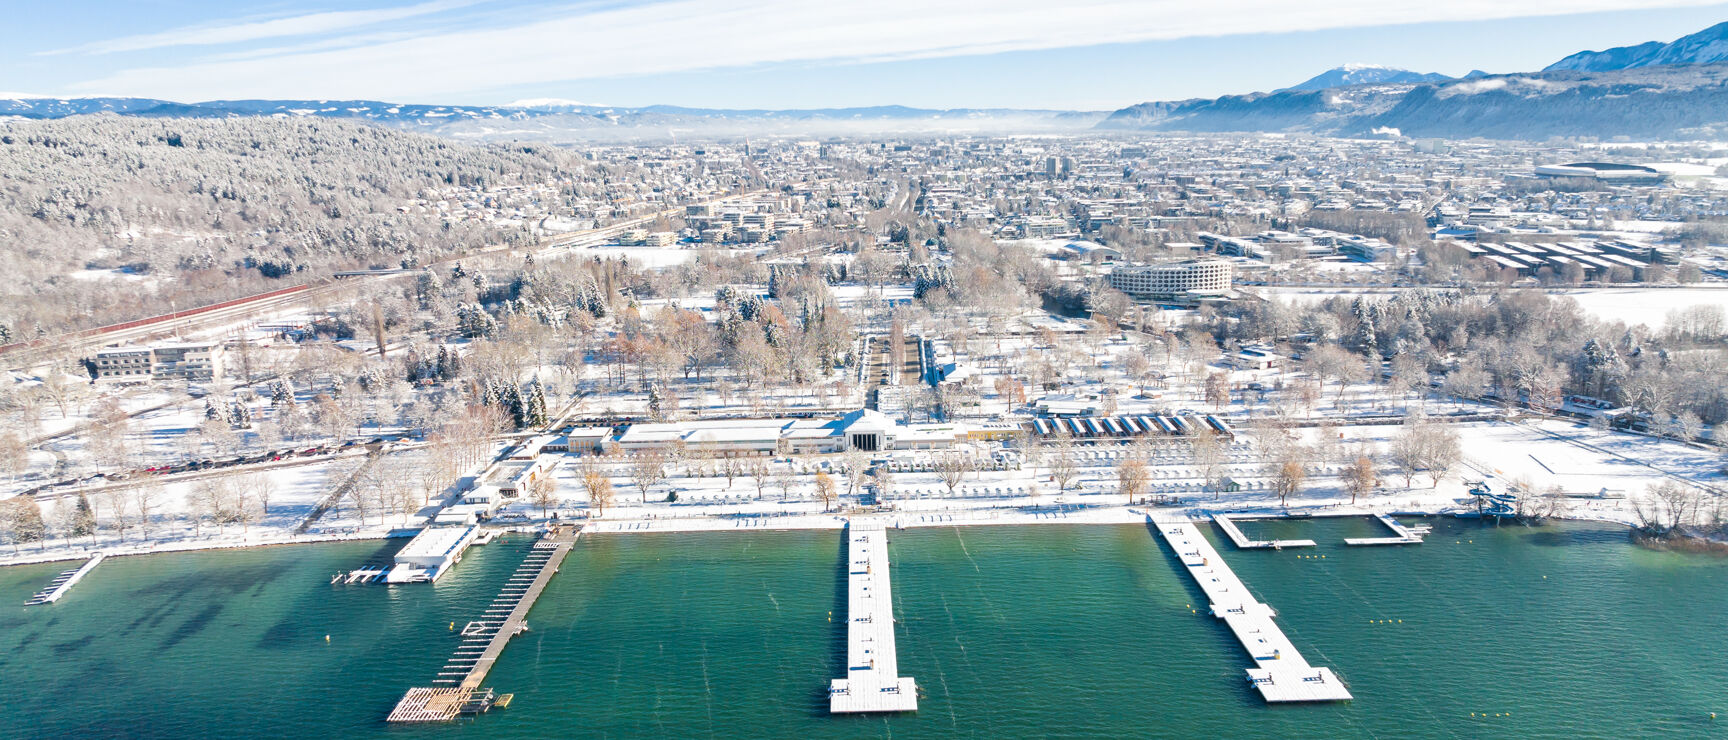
(1078, 54)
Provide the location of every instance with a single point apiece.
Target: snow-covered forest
(193, 210)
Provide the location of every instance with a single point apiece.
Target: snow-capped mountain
(1363, 74)
(1708, 46)
(1647, 102)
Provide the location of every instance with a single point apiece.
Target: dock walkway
(64, 582)
(1401, 535)
(1282, 674)
(457, 690)
(872, 682)
(1227, 522)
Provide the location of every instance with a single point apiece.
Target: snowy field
(1647, 306)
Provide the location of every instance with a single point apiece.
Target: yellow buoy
(452, 626)
(326, 638)
(1400, 621)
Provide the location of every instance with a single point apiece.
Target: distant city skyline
(1086, 55)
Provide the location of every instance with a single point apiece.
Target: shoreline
(1082, 513)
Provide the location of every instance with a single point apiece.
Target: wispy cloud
(689, 35)
(336, 21)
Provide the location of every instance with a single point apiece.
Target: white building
(431, 553)
(1176, 280)
(199, 361)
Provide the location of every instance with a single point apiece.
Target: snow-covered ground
(1647, 306)
(1543, 454)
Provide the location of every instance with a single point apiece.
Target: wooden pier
(457, 688)
(1281, 675)
(64, 582)
(1227, 522)
(1401, 535)
(872, 682)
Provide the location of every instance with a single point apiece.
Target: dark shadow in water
(1200, 601)
(69, 646)
(230, 580)
(193, 626)
(1569, 536)
(836, 663)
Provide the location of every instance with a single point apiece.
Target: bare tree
(784, 480)
(951, 467)
(1289, 480)
(1132, 477)
(1208, 452)
(884, 482)
(729, 468)
(543, 492)
(856, 463)
(145, 495)
(647, 467)
(1361, 478)
(825, 489)
(757, 468)
(597, 485)
(1064, 467)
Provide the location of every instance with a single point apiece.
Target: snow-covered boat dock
(64, 582)
(872, 682)
(1282, 674)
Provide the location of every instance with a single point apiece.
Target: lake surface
(1048, 630)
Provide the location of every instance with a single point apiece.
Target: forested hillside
(105, 218)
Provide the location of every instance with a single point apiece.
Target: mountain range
(1708, 46)
(1677, 89)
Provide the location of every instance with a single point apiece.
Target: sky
(1060, 54)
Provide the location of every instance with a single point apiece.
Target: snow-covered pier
(872, 682)
(458, 689)
(1282, 674)
(1227, 522)
(64, 582)
(1401, 535)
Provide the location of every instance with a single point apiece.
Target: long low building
(864, 429)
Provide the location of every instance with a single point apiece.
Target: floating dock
(1282, 674)
(872, 682)
(458, 689)
(64, 582)
(1401, 535)
(1227, 522)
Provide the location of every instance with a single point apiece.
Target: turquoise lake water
(1033, 631)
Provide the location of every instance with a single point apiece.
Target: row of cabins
(1127, 427)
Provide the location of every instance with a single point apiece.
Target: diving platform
(1227, 522)
(1401, 535)
(1281, 674)
(872, 682)
(457, 687)
(64, 582)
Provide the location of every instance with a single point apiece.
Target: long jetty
(872, 682)
(64, 582)
(458, 690)
(1227, 522)
(1281, 675)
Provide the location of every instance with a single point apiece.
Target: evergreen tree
(533, 400)
(83, 521)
